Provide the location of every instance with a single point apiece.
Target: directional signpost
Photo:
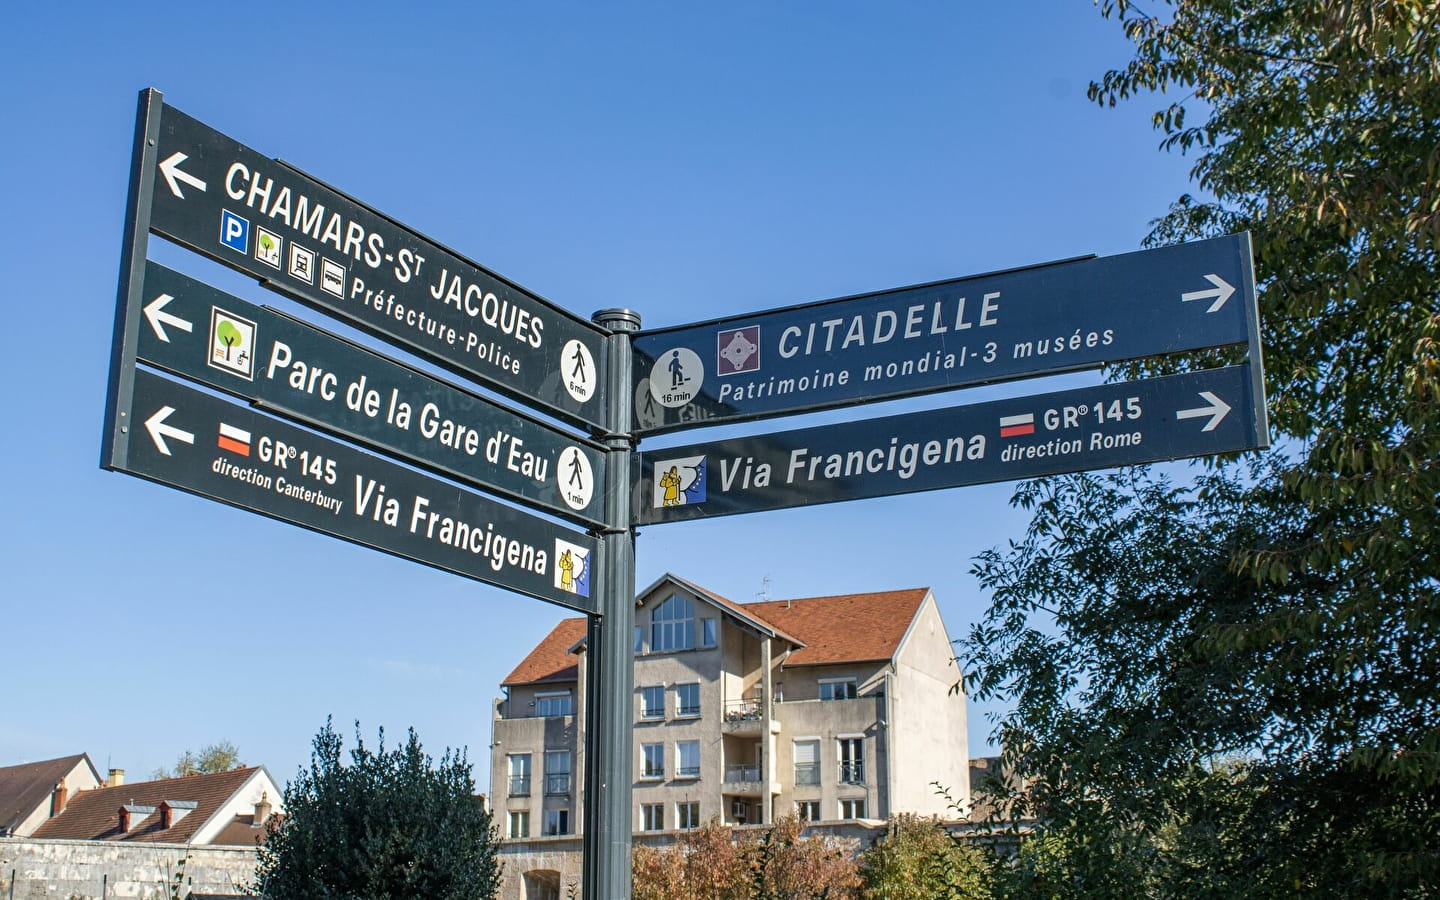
(329, 251)
(987, 328)
(1196, 414)
(208, 192)
(207, 446)
(217, 339)
(302, 238)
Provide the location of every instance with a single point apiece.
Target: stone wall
(106, 870)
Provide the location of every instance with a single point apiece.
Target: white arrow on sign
(1219, 293)
(159, 318)
(170, 168)
(159, 431)
(1217, 410)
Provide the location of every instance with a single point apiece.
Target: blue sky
(687, 161)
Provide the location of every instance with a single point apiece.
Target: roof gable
(94, 815)
(26, 786)
(744, 612)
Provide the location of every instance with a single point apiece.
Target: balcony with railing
(557, 783)
(743, 780)
(743, 717)
(807, 774)
(852, 773)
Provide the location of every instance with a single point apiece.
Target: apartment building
(833, 708)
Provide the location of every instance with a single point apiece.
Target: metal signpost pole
(606, 841)
(132, 275)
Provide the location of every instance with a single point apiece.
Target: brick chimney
(59, 798)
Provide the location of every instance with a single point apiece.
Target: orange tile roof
(845, 628)
(823, 630)
(551, 660)
(94, 815)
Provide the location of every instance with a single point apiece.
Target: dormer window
(132, 814)
(172, 811)
(672, 625)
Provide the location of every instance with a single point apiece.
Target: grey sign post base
(605, 845)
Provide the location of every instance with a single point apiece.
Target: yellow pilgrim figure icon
(567, 572)
(670, 481)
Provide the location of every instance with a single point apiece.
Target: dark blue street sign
(282, 364)
(325, 249)
(1171, 417)
(199, 443)
(987, 328)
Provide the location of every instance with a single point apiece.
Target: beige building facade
(836, 709)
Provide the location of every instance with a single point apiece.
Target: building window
(807, 762)
(807, 810)
(672, 625)
(709, 633)
(852, 809)
(652, 760)
(557, 821)
(852, 760)
(687, 759)
(639, 639)
(652, 816)
(519, 767)
(555, 704)
(687, 700)
(557, 771)
(652, 702)
(837, 689)
(520, 823)
(687, 815)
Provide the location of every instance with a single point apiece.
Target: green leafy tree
(1278, 611)
(919, 860)
(221, 756)
(390, 825)
(228, 334)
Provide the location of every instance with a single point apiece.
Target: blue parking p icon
(234, 232)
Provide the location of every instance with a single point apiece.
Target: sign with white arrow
(1215, 410)
(159, 319)
(288, 366)
(1040, 320)
(329, 251)
(1126, 423)
(160, 432)
(207, 446)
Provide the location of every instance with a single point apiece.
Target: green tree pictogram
(229, 335)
